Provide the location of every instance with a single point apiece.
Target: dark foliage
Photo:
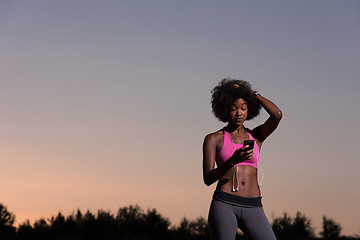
(7, 230)
(331, 229)
(133, 223)
(293, 228)
(187, 229)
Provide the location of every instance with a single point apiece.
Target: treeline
(133, 223)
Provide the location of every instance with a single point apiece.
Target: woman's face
(238, 112)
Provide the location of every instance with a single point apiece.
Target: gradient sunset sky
(106, 103)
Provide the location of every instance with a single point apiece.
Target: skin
(213, 142)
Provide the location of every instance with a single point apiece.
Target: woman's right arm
(210, 173)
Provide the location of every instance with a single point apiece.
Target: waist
(237, 200)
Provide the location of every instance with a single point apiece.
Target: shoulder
(215, 137)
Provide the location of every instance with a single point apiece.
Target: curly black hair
(227, 92)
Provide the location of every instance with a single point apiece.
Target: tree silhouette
(302, 226)
(105, 224)
(293, 228)
(331, 229)
(62, 226)
(131, 220)
(25, 231)
(133, 223)
(88, 225)
(155, 223)
(197, 229)
(42, 230)
(282, 226)
(7, 219)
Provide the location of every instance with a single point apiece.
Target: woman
(237, 199)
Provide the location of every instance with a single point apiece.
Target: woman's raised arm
(263, 131)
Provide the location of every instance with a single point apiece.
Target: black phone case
(250, 143)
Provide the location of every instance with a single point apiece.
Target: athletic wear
(237, 200)
(229, 212)
(227, 151)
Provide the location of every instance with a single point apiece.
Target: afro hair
(227, 92)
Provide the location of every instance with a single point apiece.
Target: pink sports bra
(227, 151)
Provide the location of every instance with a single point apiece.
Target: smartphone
(250, 143)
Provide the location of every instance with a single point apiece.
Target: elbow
(207, 181)
(278, 115)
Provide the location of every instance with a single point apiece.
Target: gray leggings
(225, 218)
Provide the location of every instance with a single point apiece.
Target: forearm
(269, 107)
(263, 131)
(217, 173)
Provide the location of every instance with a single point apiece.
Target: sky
(105, 104)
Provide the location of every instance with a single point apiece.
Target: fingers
(244, 155)
(248, 154)
(246, 147)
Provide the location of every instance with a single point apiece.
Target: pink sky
(106, 105)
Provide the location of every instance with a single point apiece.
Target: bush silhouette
(331, 229)
(133, 223)
(293, 228)
(7, 219)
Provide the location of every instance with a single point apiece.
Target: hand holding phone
(250, 143)
(242, 154)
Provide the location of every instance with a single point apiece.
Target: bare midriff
(247, 179)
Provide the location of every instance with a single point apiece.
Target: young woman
(236, 201)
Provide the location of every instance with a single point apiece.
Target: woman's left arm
(263, 131)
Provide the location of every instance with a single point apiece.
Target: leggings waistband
(237, 200)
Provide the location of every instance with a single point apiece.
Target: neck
(236, 129)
